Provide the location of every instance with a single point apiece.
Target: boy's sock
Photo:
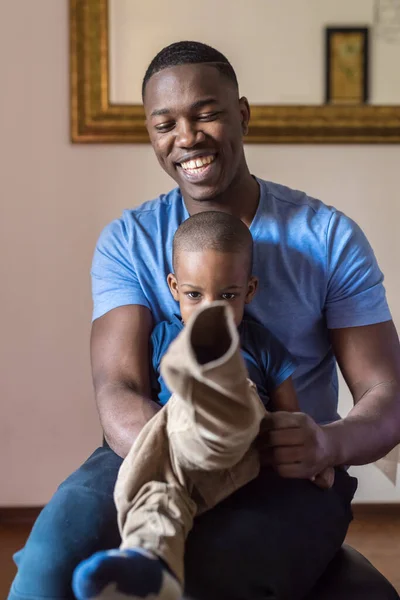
(125, 575)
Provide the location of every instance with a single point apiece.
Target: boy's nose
(210, 298)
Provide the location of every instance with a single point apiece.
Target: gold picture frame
(347, 65)
(95, 120)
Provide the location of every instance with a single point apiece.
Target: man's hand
(325, 479)
(369, 357)
(296, 446)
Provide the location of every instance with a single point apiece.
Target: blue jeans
(271, 539)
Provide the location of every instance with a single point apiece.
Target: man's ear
(245, 114)
(251, 289)
(173, 286)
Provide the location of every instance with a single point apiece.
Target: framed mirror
(278, 49)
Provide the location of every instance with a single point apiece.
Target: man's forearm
(123, 414)
(371, 429)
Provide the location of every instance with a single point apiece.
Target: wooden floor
(12, 537)
(374, 533)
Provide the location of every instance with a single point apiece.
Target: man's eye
(164, 127)
(228, 296)
(208, 116)
(193, 295)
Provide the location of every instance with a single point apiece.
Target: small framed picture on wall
(347, 68)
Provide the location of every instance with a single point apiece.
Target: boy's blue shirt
(267, 361)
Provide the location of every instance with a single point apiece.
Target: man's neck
(240, 200)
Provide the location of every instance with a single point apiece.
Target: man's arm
(120, 367)
(369, 357)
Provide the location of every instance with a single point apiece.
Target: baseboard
(26, 515)
(384, 509)
(19, 515)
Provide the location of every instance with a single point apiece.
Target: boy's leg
(243, 549)
(80, 519)
(155, 514)
(158, 479)
(217, 413)
(197, 464)
(153, 496)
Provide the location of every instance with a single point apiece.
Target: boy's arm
(284, 397)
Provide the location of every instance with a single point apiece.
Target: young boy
(225, 370)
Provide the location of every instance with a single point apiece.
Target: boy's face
(204, 277)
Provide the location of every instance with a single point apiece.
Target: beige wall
(54, 200)
(269, 41)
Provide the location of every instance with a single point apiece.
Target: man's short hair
(213, 230)
(185, 53)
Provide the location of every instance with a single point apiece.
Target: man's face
(196, 124)
(204, 277)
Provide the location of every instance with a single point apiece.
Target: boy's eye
(228, 296)
(193, 295)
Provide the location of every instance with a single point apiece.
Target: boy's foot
(124, 575)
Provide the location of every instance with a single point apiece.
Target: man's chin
(199, 193)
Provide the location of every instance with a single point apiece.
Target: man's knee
(251, 546)
(77, 521)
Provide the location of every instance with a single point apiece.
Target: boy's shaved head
(212, 260)
(213, 230)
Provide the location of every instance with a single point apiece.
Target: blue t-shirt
(268, 363)
(316, 268)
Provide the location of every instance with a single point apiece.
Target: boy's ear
(251, 289)
(173, 286)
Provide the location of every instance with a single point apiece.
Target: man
(321, 294)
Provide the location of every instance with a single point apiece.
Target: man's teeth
(197, 163)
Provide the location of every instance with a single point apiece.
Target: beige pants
(199, 448)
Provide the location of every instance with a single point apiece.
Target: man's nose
(188, 135)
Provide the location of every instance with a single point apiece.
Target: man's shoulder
(166, 211)
(285, 196)
(155, 210)
(313, 218)
(302, 216)
(157, 205)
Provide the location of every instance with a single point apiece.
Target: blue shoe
(124, 575)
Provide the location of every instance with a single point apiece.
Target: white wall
(276, 46)
(54, 200)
